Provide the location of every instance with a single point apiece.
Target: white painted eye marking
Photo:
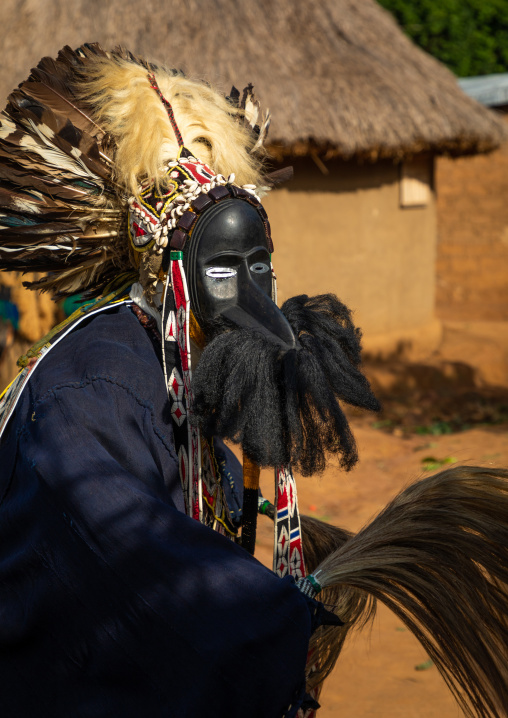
(259, 268)
(220, 272)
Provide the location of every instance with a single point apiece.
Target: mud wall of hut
(346, 232)
(472, 254)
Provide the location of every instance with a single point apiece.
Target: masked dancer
(128, 585)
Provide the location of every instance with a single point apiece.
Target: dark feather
(66, 137)
(124, 54)
(61, 211)
(285, 174)
(50, 83)
(18, 178)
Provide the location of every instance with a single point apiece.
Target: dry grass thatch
(338, 75)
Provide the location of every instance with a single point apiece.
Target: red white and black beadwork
(161, 217)
(188, 188)
(288, 552)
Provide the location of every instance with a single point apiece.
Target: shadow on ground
(422, 398)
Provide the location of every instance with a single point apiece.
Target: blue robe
(113, 602)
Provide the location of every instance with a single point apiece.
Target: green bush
(469, 36)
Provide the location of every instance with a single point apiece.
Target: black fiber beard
(283, 407)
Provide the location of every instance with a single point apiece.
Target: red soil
(376, 675)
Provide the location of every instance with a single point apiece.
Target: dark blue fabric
(113, 603)
(232, 479)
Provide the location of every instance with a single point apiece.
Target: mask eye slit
(220, 272)
(259, 268)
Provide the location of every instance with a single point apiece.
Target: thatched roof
(338, 75)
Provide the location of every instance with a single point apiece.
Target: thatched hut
(356, 107)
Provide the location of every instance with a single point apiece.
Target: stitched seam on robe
(122, 385)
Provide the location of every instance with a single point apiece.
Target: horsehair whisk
(437, 556)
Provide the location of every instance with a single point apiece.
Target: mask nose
(256, 310)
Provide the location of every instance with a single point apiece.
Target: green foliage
(430, 463)
(469, 36)
(424, 666)
(382, 424)
(437, 428)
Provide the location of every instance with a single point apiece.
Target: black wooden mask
(228, 270)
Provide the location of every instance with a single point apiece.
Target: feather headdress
(83, 134)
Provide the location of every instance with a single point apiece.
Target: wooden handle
(251, 473)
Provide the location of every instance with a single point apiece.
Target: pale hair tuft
(129, 109)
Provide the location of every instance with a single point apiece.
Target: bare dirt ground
(382, 673)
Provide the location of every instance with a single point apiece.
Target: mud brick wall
(472, 249)
(345, 232)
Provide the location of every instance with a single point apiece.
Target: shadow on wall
(315, 174)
